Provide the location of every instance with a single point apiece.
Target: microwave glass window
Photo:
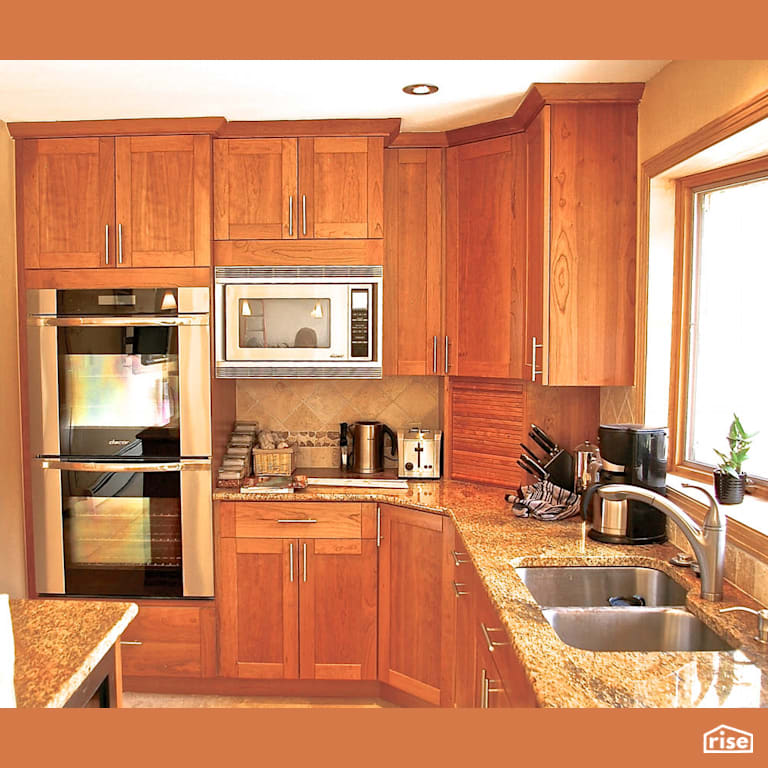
(284, 323)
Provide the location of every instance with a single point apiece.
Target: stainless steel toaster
(418, 452)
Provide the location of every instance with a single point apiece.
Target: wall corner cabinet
(295, 189)
(129, 201)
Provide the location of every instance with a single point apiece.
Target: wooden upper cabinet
(163, 201)
(582, 207)
(255, 194)
(485, 257)
(258, 608)
(416, 604)
(141, 201)
(67, 203)
(308, 188)
(413, 340)
(338, 609)
(341, 187)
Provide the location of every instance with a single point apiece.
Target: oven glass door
(119, 391)
(122, 532)
(287, 322)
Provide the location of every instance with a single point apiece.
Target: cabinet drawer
(303, 520)
(169, 641)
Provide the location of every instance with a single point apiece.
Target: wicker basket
(274, 461)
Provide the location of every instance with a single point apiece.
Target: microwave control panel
(360, 324)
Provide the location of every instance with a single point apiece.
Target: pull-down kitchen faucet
(708, 542)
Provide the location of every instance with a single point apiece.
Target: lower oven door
(123, 529)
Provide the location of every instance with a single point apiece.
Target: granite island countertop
(59, 642)
(563, 676)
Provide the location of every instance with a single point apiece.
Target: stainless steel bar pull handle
(532, 364)
(305, 562)
(120, 466)
(490, 643)
(457, 589)
(119, 243)
(131, 642)
(106, 243)
(124, 321)
(446, 354)
(303, 214)
(297, 520)
(378, 526)
(484, 690)
(290, 215)
(434, 354)
(290, 556)
(457, 558)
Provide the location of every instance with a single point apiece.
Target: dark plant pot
(729, 489)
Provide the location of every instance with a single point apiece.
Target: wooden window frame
(685, 190)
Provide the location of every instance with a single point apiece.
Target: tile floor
(190, 701)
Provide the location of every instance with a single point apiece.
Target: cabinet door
(255, 189)
(485, 253)
(416, 604)
(163, 201)
(537, 260)
(258, 608)
(464, 587)
(413, 342)
(67, 203)
(341, 187)
(337, 609)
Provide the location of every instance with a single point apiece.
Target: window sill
(747, 522)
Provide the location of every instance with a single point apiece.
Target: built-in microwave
(298, 322)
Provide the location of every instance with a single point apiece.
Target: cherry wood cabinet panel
(261, 519)
(338, 609)
(170, 641)
(465, 588)
(592, 269)
(67, 209)
(298, 252)
(163, 200)
(413, 191)
(485, 257)
(416, 604)
(255, 192)
(341, 187)
(258, 608)
(108, 277)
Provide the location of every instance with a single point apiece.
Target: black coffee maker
(631, 454)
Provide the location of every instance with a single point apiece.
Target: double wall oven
(120, 437)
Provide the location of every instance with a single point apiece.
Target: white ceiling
(470, 91)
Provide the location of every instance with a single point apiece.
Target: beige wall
(12, 578)
(679, 100)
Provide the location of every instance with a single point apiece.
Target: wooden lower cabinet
(297, 608)
(465, 588)
(170, 641)
(416, 604)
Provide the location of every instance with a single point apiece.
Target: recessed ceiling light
(420, 89)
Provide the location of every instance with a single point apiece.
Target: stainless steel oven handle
(118, 466)
(126, 320)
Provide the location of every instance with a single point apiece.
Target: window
(719, 356)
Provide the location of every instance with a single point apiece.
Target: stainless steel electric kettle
(367, 454)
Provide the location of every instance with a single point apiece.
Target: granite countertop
(58, 644)
(563, 676)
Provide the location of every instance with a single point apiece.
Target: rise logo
(724, 739)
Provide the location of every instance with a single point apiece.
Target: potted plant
(730, 481)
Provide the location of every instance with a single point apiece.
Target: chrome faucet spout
(708, 542)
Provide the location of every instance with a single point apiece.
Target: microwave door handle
(127, 466)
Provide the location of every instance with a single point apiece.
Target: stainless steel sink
(596, 585)
(633, 629)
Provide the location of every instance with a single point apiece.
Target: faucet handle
(713, 518)
(762, 620)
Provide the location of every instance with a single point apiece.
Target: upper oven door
(287, 322)
(128, 387)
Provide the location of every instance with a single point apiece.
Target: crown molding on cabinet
(534, 99)
(161, 126)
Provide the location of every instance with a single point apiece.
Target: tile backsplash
(308, 412)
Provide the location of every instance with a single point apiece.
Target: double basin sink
(607, 608)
